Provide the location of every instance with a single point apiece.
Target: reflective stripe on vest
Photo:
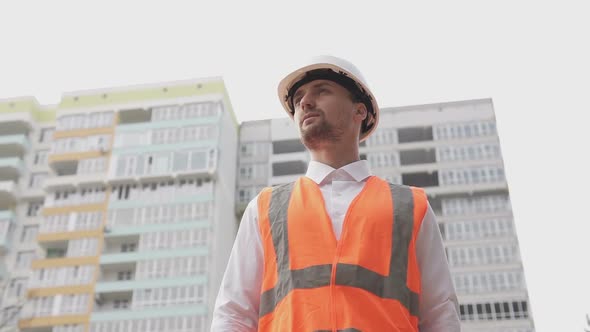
(393, 286)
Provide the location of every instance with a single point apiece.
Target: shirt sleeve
(439, 306)
(238, 300)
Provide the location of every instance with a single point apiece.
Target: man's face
(324, 111)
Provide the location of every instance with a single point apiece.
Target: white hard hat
(339, 71)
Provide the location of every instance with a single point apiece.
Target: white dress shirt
(237, 304)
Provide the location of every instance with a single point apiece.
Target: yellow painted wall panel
(53, 321)
(48, 211)
(83, 132)
(74, 156)
(66, 261)
(77, 289)
(51, 237)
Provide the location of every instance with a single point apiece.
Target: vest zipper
(337, 256)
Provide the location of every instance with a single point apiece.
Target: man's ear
(361, 112)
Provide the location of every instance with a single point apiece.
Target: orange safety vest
(367, 281)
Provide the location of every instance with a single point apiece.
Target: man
(339, 249)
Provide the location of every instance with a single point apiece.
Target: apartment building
(128, 218)
(117, 205)
(453, 151)
(25, 138)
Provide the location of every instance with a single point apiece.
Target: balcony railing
(13, 145)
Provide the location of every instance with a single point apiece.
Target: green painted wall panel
(149, 313)
(117, 286)
(130, 230)
(149, 255)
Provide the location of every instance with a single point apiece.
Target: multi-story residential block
(117, 205)
(25, 138)
(453, 151)
(123, 205)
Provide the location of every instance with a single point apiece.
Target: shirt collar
(356, 171)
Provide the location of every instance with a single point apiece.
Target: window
(481, 228)
(246, 172)
(383, 136)
(422, 179)
(82, 247)
(24, 259)
(413, 157)
(244, 195)
(198, 160)
(9, 316)
(40, 157)
(74, 304)
(29, 233)
(6, 228)
(287, 146)
(173, 324)
(475, 205)
(288, 168)
(124, 275)
(128, 247)
(36, 180)
(180, 162)
(68, 328)
(465, 130)
(486, 254)
(55, 253)
(17, 287)
(121, 304)
(46, 135)
(383, 159)
(247, 150)
(33, 209)
(93, 165)
(43, 306)
(169, 296)
(415, 134)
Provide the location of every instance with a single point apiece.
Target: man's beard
(317, 133)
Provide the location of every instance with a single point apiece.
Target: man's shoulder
(400, 185)
(392, 184)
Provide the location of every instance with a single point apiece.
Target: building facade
(26, 131)
(452, 150)
(116, 208)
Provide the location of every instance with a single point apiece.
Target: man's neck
(335, 155)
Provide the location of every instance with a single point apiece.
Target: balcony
(11, 168)
(165, 165)
(127, 286)
(3, 270)
(9, 192)
(134, 116)
(129, 257)
(74, 181)
(122, 315)
(6, 228)
(500, 186)
(13, 145)
(115, 301)
(13, 123)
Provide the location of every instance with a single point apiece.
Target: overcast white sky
(532, 59)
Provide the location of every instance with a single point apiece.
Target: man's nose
(307, 102)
